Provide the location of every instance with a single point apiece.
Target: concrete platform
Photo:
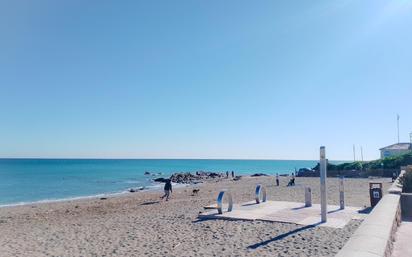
(289, 212)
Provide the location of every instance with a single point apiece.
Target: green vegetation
(406, 181)
(382, 167)
(388, 163)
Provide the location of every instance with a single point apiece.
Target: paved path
(403, 243)
(291, 212)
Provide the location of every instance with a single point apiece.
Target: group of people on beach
(232, 173)
(168, 184)
(291, 181)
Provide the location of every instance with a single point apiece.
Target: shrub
(406, 182)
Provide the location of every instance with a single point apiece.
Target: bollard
(308, 197)
(323, 168)
(341, 194)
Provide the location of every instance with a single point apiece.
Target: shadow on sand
(279, 237)
(150, 203)
(298, 208)
(249, 204)
(366, 210)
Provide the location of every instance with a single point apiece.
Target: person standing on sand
(233, 174)
(168, 189)
(227, 174)
(277, 179)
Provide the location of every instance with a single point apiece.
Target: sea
(26, 181)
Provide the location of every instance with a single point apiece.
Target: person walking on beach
(277, 179)
(168, 189)
(227, 174)
(233, 174)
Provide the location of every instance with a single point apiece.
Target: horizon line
(163, 158)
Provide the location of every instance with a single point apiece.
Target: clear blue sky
(204, 79)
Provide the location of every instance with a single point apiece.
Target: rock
(237, 178)
(147, 173)
(214, 175)
(183, 178)
(189, 178)
(131, 190)
(160, 180)
(259, 175)
(305, 172)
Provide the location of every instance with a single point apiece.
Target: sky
(204, 79)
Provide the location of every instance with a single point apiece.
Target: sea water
(32, 180)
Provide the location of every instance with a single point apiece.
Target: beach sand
(141, 224)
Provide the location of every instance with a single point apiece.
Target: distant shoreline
(161, 159)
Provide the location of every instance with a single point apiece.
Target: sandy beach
(141, 224)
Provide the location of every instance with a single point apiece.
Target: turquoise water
(32, 180)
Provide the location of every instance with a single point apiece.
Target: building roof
(399, 146)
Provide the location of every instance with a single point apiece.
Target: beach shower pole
(322, 162)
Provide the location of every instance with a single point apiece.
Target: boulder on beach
(237, 178)
(133, 190)
(147, 173)
(213, 175)
(161, 180)
(259, 175)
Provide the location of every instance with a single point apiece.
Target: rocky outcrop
(189, 178)
(183, 178)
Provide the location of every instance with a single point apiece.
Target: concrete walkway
(403, 244)
(291, 212)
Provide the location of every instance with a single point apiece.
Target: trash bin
(375, 192)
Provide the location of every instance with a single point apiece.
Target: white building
(395, 149)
